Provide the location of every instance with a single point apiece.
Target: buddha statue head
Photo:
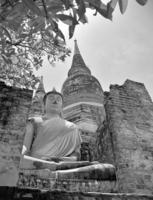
(53, 102)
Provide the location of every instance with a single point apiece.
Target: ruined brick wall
(104, 143)
(14, 107)
(130, 120)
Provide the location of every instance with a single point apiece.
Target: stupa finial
(78, 65)
(76, 48)
(40, 86)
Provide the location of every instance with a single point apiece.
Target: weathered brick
(14, 106)
(129, 110)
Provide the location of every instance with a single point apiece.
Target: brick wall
(14, 107)
(130, 120)
(105, 149)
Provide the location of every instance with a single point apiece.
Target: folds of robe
(55, 137)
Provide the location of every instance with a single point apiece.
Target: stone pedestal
(47, 180)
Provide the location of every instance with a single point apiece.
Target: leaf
(100, 7)
(142, 2)
(84, 19)
(81, 8)
(110, 8)
(15, 24)
(10, 53)
(60, 34)
(71, 31)
(55, 8)
(113, 3)
(7, 32)
(95, 3)
(74, 13)
(123, 5)
(49, 32)
(32, 6)
(16, 12)
(3, 43)
(67, 4)
(69, 20)
(87, 5)
(6, 59)
(54, 26)
(23, 35)
(37, 23)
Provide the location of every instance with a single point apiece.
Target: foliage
(29, 29)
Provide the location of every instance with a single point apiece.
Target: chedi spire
(78, 65)
(41, 86)
(76, 48)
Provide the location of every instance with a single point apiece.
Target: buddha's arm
(28, 138)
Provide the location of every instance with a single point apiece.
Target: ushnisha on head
(53, 102)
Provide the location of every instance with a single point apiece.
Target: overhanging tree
(29, 29)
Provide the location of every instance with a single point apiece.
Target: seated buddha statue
(53, 143)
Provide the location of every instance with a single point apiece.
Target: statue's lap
(89, 175)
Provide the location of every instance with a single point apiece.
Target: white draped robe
(55, 137)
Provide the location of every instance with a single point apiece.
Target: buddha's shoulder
(35, 119)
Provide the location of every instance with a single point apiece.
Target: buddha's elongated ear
(43, 109)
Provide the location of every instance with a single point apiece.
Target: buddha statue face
(53, 103)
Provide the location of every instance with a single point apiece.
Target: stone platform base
(15, 193)
(40, 179)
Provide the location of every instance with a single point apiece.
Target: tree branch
(19, 44)
(45, 9)
(14, 43)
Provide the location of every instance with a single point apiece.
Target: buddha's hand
(55, 159)
(37, 164)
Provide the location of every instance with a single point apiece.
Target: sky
(113, 50)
